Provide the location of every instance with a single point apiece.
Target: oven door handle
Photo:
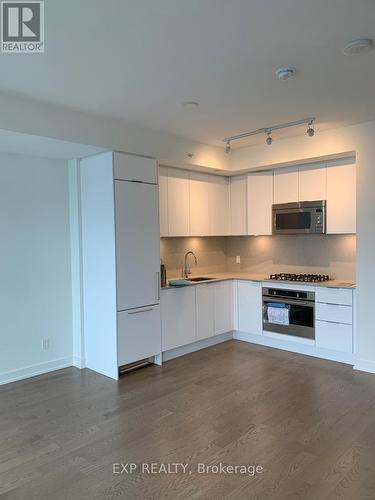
(287, 301)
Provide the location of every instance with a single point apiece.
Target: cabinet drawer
(334, 312)
(138, 334)
(334, 336)
(135, 168)
(334, 296)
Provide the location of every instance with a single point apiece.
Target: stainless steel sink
(200, 278)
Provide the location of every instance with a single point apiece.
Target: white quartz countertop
(262, 278)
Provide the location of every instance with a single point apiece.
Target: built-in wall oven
(305, 217)
(291, 312)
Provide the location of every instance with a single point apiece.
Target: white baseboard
(364, 365)
(79, 362)
(34, 370)
(299, 348)
(196, 346)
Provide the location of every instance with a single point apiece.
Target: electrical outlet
(45, 344)
(238, 259)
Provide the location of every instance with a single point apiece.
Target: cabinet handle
(139, 311)
(157, 285)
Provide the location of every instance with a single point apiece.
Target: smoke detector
(360, 46)
(190, 104)
(285, 73)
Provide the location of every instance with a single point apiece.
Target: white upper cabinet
(285, 185)
(178, 203)
(134, 168)
(199, 204)
(219, 206)
(341, 199)
(259, 203)
(163, 201)
(313, 183)
(238, 205)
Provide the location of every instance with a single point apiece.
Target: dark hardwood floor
(309, 423)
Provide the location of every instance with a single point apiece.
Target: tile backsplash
(210, 252)
(319, 254)
(329, 254)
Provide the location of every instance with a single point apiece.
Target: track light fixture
(310, 129)
(268, 130)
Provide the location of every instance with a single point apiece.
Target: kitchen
(187, 257)
(251, 208)
(304, 307)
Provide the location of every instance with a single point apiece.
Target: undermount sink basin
(200, 278)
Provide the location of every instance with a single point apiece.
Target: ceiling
(139, 61)
(32, 145)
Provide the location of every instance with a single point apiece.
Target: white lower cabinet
(334, 319)
(250, 307)
(328, 295)
(205, 311)
(223, 307)
(335, 313)
(195, 313)
(138, 334)
(178, 317)
(334, 336)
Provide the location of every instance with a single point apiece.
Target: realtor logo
(22, 26)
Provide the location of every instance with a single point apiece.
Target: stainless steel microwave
(305, 217)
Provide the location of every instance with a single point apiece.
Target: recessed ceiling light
(191, 104)
(285, 73)
(360, 46)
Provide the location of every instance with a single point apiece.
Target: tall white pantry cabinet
(120, 260)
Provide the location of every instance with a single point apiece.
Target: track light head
(310, 129)
(309, 121)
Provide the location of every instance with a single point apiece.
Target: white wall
(32, 117)
(76, 264)
(298, 149)
(361, 139)
(35, 273)
(365, 248)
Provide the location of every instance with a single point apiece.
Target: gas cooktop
(304, 278)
